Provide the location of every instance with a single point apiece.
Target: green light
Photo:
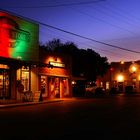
(18, 37)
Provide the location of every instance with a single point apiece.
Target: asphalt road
(113, 118)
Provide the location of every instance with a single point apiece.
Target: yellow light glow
(134, 69)
(139, 77)
(122, 62)
(120, 78)
(73, 82)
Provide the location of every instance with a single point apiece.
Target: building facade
(22, 69)
(55, 80)
(121, 75)
(18, 55)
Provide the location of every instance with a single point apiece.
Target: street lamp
(120, 78)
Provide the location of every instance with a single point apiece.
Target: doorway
(120, 87)
(54, 87)
(4, 83)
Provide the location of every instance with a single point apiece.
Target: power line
(118, 12)
(122, 11)
(87, 38)
(87, 45)
(104, 21)
(109, 14)
(80, 36)
(57, 5)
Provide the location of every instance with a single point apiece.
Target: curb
(28, 103)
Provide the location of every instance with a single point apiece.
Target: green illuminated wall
(18, 38)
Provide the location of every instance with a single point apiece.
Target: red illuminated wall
(18, 38)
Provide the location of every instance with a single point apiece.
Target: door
(54, 87)
(4, 83)
(120, 87)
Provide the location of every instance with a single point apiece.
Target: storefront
(24, 67)
(55, 81)
(18, 47)
(4, 81)
(123, 77)
(54, 86)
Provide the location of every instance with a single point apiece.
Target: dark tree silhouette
(85, 63)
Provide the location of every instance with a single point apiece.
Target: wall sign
(18, 37)
(57, 64)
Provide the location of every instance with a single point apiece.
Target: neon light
(18, 38)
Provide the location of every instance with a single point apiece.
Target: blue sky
(116, 22)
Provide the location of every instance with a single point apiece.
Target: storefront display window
(58, 87)
(64, 87)
(25, 76)
(43, 84)
(54, 87)
(4, 83)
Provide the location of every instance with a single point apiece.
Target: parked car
(99, 91)
(129, 89)
(91, 89)
(113, 90)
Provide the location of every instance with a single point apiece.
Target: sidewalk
(13, 103)
(4, 103)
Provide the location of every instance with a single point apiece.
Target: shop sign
(57, 64)
(18, 37)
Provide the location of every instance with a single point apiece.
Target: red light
(111, 69)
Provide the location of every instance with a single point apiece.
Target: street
(116, 117)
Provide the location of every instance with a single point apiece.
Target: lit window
(25, 78)
(107, 85)
(101, 84)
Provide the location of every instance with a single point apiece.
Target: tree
(85, 63)
(92, 64)
(54, 44)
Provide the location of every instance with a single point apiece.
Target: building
(121, 75)
(18, 55)
(22, 70)
(55, 80)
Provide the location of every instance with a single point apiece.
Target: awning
(18, 63)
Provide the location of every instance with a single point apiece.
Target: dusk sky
(114, 22)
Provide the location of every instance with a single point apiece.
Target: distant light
(134, 69)
(120, 78)
(73, 82)
(122, 62)
(111, 69)
(139, 77)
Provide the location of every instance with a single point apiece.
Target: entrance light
(122, 62)
(134, 69)
(120, 78)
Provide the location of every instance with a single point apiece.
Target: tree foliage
(85, 63)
